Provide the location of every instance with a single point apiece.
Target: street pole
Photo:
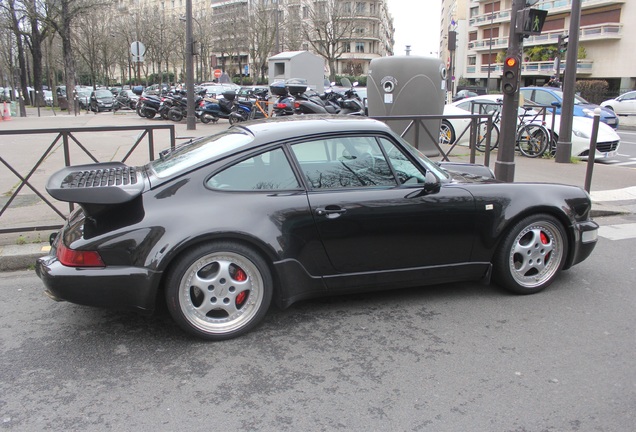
(564, 146)
(190, 119)
(505, 164)
(492, 16)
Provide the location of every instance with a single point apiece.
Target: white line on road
(618, 232)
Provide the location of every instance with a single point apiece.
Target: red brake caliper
(545, 240)
(240, 276)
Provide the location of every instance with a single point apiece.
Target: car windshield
(103, 93)
(195, 152)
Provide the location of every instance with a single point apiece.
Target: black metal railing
(69, 136)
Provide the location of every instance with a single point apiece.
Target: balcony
(587, 33)
(554, 6)
(545, 68)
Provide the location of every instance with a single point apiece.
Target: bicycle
(532, 139)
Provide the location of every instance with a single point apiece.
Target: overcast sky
(417, 24)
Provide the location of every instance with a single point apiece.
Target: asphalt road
(458, 357)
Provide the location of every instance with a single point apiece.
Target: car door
(627, 104)
(374, 215)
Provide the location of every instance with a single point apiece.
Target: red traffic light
(511, 62)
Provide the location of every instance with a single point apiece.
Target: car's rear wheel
(531, 255)
(219, 290)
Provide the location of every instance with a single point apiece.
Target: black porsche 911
(289, 209)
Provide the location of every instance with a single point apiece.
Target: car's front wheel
(219, 290)
(531, 254)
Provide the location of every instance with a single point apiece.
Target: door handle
(330, 211)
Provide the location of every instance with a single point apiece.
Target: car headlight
(579, 133)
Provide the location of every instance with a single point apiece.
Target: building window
(472, 60)
(359, 47)
(305, 12)
(360, 7)
(346, 47)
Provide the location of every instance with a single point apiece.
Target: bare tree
(329, 23)
(62, 15)
(262, 35)
(15, 18)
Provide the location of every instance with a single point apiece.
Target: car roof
(298, 126)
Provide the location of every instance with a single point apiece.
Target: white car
(607, 141)
(625, 104)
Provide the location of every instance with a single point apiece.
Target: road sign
(137, 49)
(217, 73)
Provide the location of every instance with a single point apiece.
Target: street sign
(217, 73)
(137, 49)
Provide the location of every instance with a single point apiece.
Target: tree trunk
(67, 52)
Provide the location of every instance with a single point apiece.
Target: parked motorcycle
(227, 107)
(148, 106)
(284, 105)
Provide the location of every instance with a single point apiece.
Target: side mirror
(556, 104)
(431, 183)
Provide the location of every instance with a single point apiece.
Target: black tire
(482, 129)
(533, 140)
(531, 255)
(219, 291)
(149, 114)
(446, 133)
(175, 115)
(140, 111)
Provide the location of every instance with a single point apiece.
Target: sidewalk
(613, 188)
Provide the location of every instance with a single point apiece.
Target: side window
(544, 98)
(407, 172)
(343, 162)
(266, 171)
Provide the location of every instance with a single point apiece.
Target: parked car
(127, 98)
(463, 94)
(288, 209)
(625, 104)
(48, 97)
(554, 97)
(83, 98)
(608, 141)
(101, 100)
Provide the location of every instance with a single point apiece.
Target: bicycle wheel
(532, 140)
(482, 129)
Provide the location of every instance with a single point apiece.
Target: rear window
(196, 152)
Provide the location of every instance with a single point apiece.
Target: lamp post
(190, 119)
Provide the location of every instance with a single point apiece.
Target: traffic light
(530, 21)
(510, 79)
(563, 43)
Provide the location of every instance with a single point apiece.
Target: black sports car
(300, 207)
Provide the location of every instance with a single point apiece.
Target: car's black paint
(316, 242)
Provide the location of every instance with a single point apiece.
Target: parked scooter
(227, 107)
(148, 106)
(284, 105)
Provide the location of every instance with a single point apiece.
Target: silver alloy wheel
(446, 134)
(536, 254)
(221, 292)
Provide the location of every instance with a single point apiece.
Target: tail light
(201, 104)
(281, 105)
(78, 258)
(296, 105)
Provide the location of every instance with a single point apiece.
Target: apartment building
(223, 26)
(607, 41)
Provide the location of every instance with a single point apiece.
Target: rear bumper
(109, 287)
